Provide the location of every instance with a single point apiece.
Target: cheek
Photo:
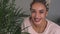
(43, 15)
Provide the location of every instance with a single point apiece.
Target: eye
(41, 11)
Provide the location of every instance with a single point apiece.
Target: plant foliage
(10, 18)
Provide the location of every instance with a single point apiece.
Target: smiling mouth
(37, 19)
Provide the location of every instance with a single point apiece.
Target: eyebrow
(41, 10)
(34, 9)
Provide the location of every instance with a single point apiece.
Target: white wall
(25, 4)
(54, 12)
(54, 9)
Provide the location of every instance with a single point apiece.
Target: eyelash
(41, 11)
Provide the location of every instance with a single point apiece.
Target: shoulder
(55, 27)
(26, 19)
(26, 22)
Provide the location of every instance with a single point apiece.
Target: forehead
(38, 6)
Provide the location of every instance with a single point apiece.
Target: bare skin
(38, 15)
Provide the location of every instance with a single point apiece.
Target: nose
(37, 15)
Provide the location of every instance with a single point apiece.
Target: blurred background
(54, 9)
(13, 12)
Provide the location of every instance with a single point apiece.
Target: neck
(40, 28)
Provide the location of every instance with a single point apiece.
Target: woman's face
(38, 13)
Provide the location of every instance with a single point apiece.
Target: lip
(37, 19)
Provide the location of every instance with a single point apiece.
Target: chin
(37, 23)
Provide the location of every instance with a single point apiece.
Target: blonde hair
(45, 2)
